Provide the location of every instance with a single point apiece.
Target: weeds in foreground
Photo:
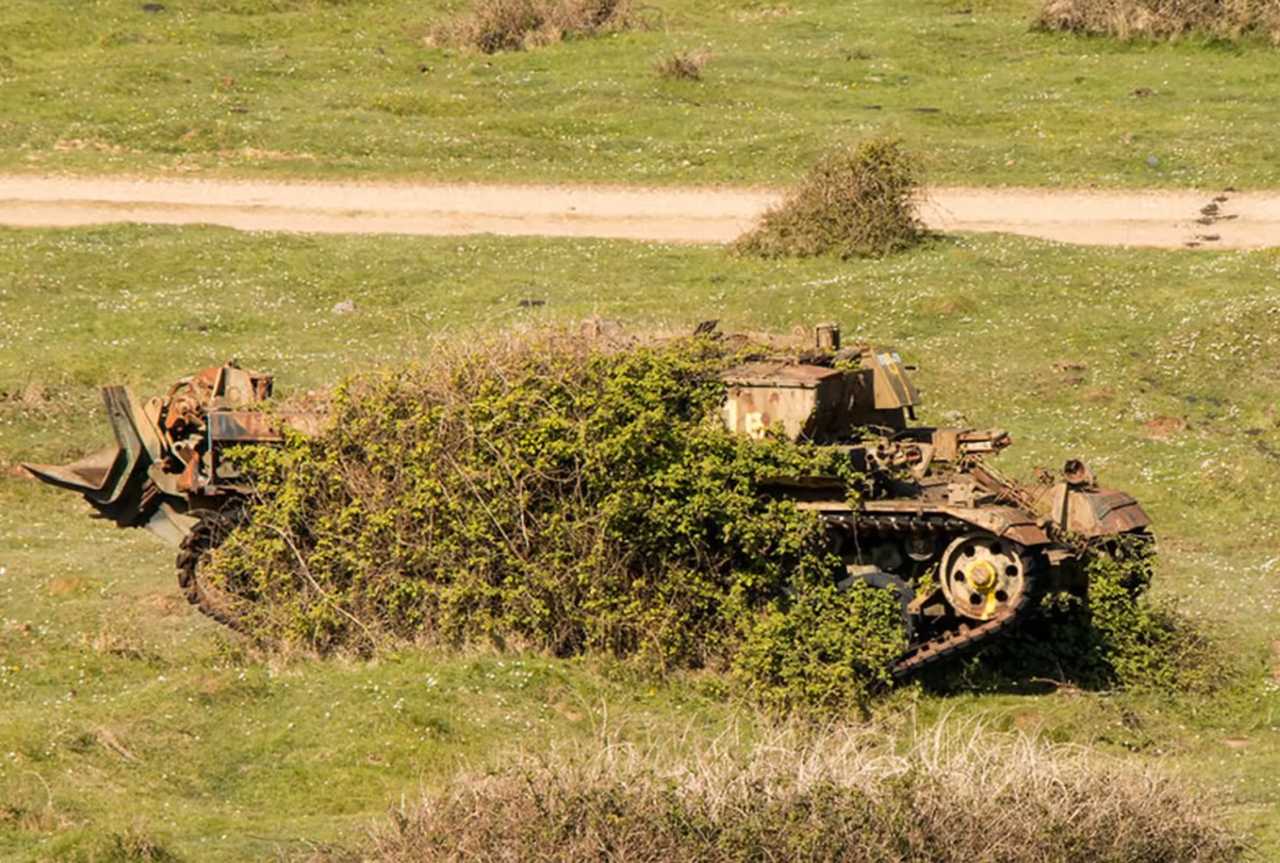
(856, 202)
(957, 794)
(1162, 19)
(521, 25)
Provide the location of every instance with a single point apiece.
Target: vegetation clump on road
(492, 26)
(955, 795)
(552, 493)
(856, 202)
(1162, 19)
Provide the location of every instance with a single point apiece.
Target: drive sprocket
(195, 555)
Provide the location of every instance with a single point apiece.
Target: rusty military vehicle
(966, 550)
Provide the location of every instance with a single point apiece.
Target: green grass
(268, 752)
(337, 89)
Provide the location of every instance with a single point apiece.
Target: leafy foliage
(821, 647)
(1141, 643)
(572, 498)
(1116, 636)
(856, 202)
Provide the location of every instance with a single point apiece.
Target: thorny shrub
(1162, 19)
(957, 794)
(569, 497)
(856, 202)
(521, 25)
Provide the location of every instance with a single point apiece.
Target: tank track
(964, 637)
(965, 634)
(208, 533)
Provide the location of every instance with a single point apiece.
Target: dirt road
(709, 215)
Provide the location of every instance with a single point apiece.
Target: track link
(964, 637)
(210, 532)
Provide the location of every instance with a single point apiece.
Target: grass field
(130, 723)
(133, 729)
(324, 88)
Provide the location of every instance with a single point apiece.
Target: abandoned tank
(965, 549)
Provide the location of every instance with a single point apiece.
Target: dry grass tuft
(1162, 19)
(137, 843)
(856, 202)
(682, 65)
(522, 25)
(958, 794)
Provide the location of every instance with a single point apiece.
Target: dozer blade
(89, 476)
(113, 479)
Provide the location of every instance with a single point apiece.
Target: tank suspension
(985, 583)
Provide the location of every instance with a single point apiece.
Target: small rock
(346, 307)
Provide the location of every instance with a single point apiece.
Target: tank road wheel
(195, 554)
(983, 576)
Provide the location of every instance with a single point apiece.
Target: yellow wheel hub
(981, 575)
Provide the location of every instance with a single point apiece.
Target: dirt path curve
(704, 215)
